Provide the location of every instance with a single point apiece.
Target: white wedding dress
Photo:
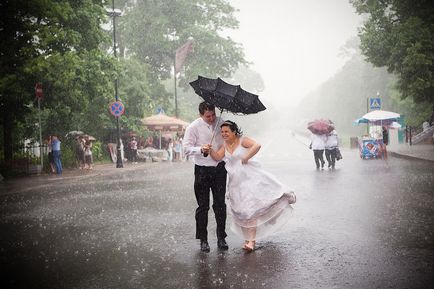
(256, 198)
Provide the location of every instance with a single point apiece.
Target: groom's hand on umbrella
(205, 149)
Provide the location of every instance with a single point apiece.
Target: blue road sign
(375, 103)
(117, 108)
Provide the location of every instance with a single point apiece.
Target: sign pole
(176, 97)
(39, 93)
(40, 133)
(367, 110)
(119, 160)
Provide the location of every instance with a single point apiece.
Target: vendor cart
(371, 148)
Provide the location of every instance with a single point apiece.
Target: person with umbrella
(209, 174)
(88, 159)
(318, 142)
(319, 128)
(79, 151)
(259, 203)
(331, 148)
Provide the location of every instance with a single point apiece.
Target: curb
(409, 157)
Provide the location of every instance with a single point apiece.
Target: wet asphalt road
(367, 224)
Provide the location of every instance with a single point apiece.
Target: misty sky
(294, 44)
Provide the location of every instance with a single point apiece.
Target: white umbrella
(74, 133)
(378, 116)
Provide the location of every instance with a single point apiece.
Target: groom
(208, 174)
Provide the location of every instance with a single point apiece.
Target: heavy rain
(100, 169)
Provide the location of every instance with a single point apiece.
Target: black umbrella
(226, 96)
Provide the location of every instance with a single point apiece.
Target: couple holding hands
(259, 204)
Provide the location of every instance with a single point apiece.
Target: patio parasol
(378, 117)
(320, 126)
(161, 122)
(91, 138)
(164, 122)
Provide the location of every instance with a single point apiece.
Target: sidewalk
(420, 151)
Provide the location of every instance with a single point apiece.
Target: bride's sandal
(244, 245)
(249, 248)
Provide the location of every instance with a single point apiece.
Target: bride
(259, 203)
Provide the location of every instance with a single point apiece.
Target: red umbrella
(320, 126)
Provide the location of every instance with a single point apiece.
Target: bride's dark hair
(233, 127)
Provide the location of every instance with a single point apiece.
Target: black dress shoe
(222, 245)
(204, 247)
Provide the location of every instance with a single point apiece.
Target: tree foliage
(152, 31)
(399, 35)
(349, 88)
(64, 44)
(56, 43)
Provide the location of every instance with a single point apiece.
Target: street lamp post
(116, 13)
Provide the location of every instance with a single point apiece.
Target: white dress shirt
(332, 140)
(318, 141)
(199, 133)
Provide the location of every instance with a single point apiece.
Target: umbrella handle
(213, 134)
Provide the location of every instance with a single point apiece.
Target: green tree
(152, 30)
(139, 92)
(56, 43)
(399, 35)
(349, 88)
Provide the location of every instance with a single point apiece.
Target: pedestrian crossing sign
(375, 103)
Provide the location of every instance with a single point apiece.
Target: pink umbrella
(320, 126)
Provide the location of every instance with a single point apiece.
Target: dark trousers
(318, 156)
(331, 156)
(57, 162)
(133, 155)
(206, 179)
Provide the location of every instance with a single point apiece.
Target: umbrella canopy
(74, 133)
(320, 126)
(378, 117)
(91, 138)
(162, 122)
(226, 96)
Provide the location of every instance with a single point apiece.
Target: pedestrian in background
(79, 151)
(55, 145)
(317, 144)
(88, 157)
(133, 148)
(50, 155)
(177, 149)
(384, 143)
(331, 148)
(170, 150)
